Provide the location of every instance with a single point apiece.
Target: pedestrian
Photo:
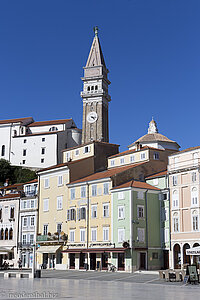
(20, 263)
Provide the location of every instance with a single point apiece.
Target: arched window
(2, 234)
(10, 234)
(194, 196)
(6, 234)
(96, 87)
(88, 88)
(15, 132)
(177, 256)
(12, 212)
(175, 222)
(175, 199)
(0, 213)
(3, 148)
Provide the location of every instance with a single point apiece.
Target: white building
(9, 213)
(36, 145)
(28, 216)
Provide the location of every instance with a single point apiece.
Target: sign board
(193, 251)
(186, 278)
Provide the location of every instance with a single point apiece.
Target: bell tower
(95, 95)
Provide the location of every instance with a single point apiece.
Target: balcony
(52, 238)
(184, 165)
(29, 195)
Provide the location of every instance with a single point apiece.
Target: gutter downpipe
(147, 242)
(87, 244)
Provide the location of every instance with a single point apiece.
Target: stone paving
(95, 285)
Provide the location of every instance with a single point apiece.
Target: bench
(17, 275)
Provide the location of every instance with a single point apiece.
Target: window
(53, 128)
(88, 88)
(175, 180)
(165, 196)
(140, 211)
(23, 162)
(42, 160)
(132, 158)
(94, 211)
(86, 149)
(105, 210)
(106, 188)
(112, 162)
(122, 160)
(77, 152)
(83, 191)
(31, 239)
(68, 156)
(105, 234)
(82, 235)
(25, 141)
(94, 234)
(140, 195)
(92, 87)
(32, 221)
(81, 213)
(175, 199)
(121, 212)
(10, 234)
(165, 214)
(45, 229)
(59, 228)
(59, 202)
(166, 237)
(195, 222)
(71, 235)
(194, 176)
(43, 139)
(6, 234)
(3, 150)
(96, 87)
(45, 204)
(175, 222)
(72, 196)
(25, 223)
(32, 203)
(94, 190)
(46, 183)
(142, 155)
(24, 152)
(60, 180)
(25, 204)
(156, 156)
(194, 196)
(0, 213)
(24, 239)
(121, 235)
(140, 237)
(71, 214)
(42, 150)
(12, 212)
(120, 195)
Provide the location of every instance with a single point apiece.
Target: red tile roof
(51, 122)
(32, 181)
(136, 184)
(20, 120)
(12, 186)
(160, 174)
(106, 173)
(133, 151)
(17, 195)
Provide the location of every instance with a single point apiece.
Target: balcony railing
(53, 237)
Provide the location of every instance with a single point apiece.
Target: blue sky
(152, 49)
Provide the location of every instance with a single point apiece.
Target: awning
(5, 250)
(95, 250)
(193, 251)
(48, 249)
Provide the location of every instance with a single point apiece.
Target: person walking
(20, 263)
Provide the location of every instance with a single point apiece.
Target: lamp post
(33, 264)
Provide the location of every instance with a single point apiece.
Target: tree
(15, 174)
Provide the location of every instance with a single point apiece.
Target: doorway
(142, 261)
(92, 261)
(45, 261)
(166, 259)
(121, 262)
(72, 260)
(104, 261)
(82, 261)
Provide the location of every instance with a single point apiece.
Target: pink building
(184, 184)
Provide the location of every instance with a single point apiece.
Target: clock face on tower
(92, 117)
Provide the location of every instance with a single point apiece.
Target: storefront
(51, 256)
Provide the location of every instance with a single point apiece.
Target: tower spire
(152, 127)
(96, 30)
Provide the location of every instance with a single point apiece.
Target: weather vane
(96, 29)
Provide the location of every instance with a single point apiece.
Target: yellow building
(52, 227)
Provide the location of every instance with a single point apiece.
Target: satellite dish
(5, 184)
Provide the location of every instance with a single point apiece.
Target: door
(166, 259)
(92, 261)
(72, 260)
(45, 260)
(121, 262)
(104, 261)
(82, 261)
(143, 261)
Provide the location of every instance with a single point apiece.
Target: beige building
(184, 184)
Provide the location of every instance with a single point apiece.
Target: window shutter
(68, 215)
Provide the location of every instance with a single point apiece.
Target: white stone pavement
(90, 290)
